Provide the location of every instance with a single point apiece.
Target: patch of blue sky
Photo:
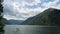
(43, 1)
(58, 2)
(38, 4)
(33, 6)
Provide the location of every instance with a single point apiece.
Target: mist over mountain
(50, 17)
(11, 22)
(15, 22)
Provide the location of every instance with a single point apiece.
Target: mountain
(11, 22)
(15, 22)
(49, 17)
(26, 22)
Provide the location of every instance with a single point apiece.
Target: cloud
(23, 9)
(12, 17)
(31, 2)
(51, 4)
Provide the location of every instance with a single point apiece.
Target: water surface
(31, 29)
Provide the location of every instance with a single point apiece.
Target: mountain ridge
(48, 17)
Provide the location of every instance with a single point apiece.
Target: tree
(2, 24)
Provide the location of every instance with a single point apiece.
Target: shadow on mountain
(50, 17)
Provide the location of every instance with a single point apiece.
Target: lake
(31, 29)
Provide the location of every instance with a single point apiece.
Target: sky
(23, 9)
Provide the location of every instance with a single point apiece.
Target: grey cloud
(29, 1)
(9, 11)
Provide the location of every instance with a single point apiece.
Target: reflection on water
(31, 29)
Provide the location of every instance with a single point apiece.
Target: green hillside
(50, 17)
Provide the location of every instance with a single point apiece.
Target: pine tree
(1, 17)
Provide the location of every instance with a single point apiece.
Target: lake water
(31, 29)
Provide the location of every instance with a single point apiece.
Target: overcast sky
(23, 9)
